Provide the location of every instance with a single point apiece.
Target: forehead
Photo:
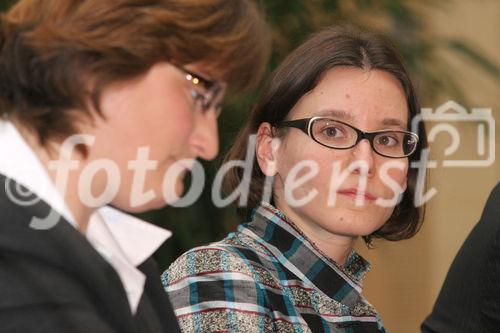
(358, 96)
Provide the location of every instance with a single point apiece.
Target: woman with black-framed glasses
(334, 147)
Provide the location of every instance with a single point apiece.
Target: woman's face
(156, 113)
(370, 101)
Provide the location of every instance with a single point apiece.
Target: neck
(67, 184)
(336, 247)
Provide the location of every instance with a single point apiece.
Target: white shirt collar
(122, 239)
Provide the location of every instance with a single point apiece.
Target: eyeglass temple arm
(301, 124)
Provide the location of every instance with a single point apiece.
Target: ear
(265, 149)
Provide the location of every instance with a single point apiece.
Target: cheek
(171, 133)
(397, 174)
(164, 115)
(305, 157)
(297, 160)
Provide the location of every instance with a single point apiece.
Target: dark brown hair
(300, 73)
(57, 56)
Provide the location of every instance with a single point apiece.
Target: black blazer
(54, 281)
(470, 298)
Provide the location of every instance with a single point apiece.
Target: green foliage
(5, 4)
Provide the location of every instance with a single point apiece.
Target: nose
(205, 139)
(363, 154)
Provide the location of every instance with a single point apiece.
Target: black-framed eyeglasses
(339, 135)
(212, 91)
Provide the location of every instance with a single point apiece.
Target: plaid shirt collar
(278, 235)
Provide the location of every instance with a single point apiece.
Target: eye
(331, 131)
(198, 98)
(387, 140)
(196, 95)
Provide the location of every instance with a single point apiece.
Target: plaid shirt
(268, 277)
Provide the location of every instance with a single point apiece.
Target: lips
(354, 193)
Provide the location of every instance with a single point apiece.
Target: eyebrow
(349, 117)
(339, 114)
(394, 122)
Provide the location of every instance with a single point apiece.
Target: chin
(159, 200)
(157, 203)
(353, 223)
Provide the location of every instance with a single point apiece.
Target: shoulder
(222, 287)
(491, 210)
(33, 284)
(50, 266)
(215, 259)
(237, 254)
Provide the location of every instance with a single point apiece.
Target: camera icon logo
(450, 118)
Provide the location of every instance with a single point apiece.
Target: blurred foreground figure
(99, 99)
(469, 301)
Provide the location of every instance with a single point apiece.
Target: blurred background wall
(407, 276)
(452, 48)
